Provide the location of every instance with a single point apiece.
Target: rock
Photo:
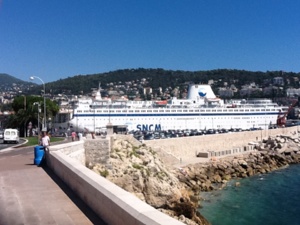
(229, 171)
(261, 147)
(243, 163)
(240, 170)
(221, 167)
(288, 151)
(137, 170)
(193, 182)
(264, 153)
(243, 175)
(201, 177)
(250, 171)
(256, 166)
(280, 140)
(226, 177)
(280, 146)
(217, 178)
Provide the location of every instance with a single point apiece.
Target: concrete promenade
(32, 195)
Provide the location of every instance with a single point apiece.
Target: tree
(5, 107)
(26, 112)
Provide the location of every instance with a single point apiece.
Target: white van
(11, 135)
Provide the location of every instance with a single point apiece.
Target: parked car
(11, 135)
(58, 134)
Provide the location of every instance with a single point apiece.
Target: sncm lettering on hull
(148, 127)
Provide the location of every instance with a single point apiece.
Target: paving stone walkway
(33, 195)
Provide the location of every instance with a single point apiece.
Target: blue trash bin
(39, 153)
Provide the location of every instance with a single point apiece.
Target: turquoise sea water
(269, 199)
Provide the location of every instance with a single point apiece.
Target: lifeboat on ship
(231, 106)
(161, 103)
(213, 99)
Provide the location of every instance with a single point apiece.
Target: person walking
(73, 135)
(79, 136)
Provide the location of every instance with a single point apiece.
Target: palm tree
(26, 113)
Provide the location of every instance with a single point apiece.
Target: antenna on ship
(98, 93)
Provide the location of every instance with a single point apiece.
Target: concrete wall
(188, 147)
(97, 151)
(113, 204)
(74, 150)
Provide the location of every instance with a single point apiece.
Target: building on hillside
(225, 92)
(249, 89)
(278, 81)
(292, 92)
(147, 91)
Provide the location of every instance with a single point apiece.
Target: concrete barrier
(113, 204)
(204, 154)
(74, 150)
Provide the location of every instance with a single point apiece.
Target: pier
(113, 204)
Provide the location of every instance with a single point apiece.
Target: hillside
(9, 83)
(155, 78)
(127, 80)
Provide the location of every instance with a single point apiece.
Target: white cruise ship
(201, 110)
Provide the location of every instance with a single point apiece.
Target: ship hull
(201, 110)
(176, 119)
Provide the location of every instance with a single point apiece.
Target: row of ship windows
(204, 118)
(193, 111)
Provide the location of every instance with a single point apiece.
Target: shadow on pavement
(93, 217)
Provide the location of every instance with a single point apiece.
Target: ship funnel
(200, 91)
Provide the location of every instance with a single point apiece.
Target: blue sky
(56, 39)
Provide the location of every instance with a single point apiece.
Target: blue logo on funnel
(202, 94)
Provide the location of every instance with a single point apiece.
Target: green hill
(10, 83)
(154, 78)
(82, 84)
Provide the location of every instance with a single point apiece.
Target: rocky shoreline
(270, 154)
(138, 169)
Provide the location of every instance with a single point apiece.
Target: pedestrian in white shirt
(45, 141)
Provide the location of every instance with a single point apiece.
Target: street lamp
(44, 124)
(38, 104)
(25, 112)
